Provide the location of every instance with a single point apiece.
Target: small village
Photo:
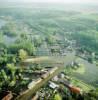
(58, 85)
(48, 51)
(50, 80)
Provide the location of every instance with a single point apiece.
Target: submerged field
(88, 73)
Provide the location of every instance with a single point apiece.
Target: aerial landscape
(48, 50)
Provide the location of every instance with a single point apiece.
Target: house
(55, 78)
(61, 75)
(9, 96)
(75, 90)
(53, 85)
(34, 83)
(35, 97)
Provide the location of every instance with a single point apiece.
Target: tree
(22, 54)
(25, 45)
(50, 40)
(3, 56)
(37, 42)
(4, 75)
(12, 69)
(57, 97)
(1, 37)
(23, 36)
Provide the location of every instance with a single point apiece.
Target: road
(64, 60)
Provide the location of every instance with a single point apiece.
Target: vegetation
(22, 54)
(57, 97)
(26, 32)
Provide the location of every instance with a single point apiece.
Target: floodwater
(2, 22)
(9, 40)
(6, 39)
(90, 75)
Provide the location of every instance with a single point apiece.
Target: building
(55, 78)
(53, 85)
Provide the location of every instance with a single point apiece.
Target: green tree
(37, 42)
(57, 97)
(26, 45)
(4, 75)
(3, 55)
(23, 36)
(12, 68)
(50, 40)
(22, 54)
